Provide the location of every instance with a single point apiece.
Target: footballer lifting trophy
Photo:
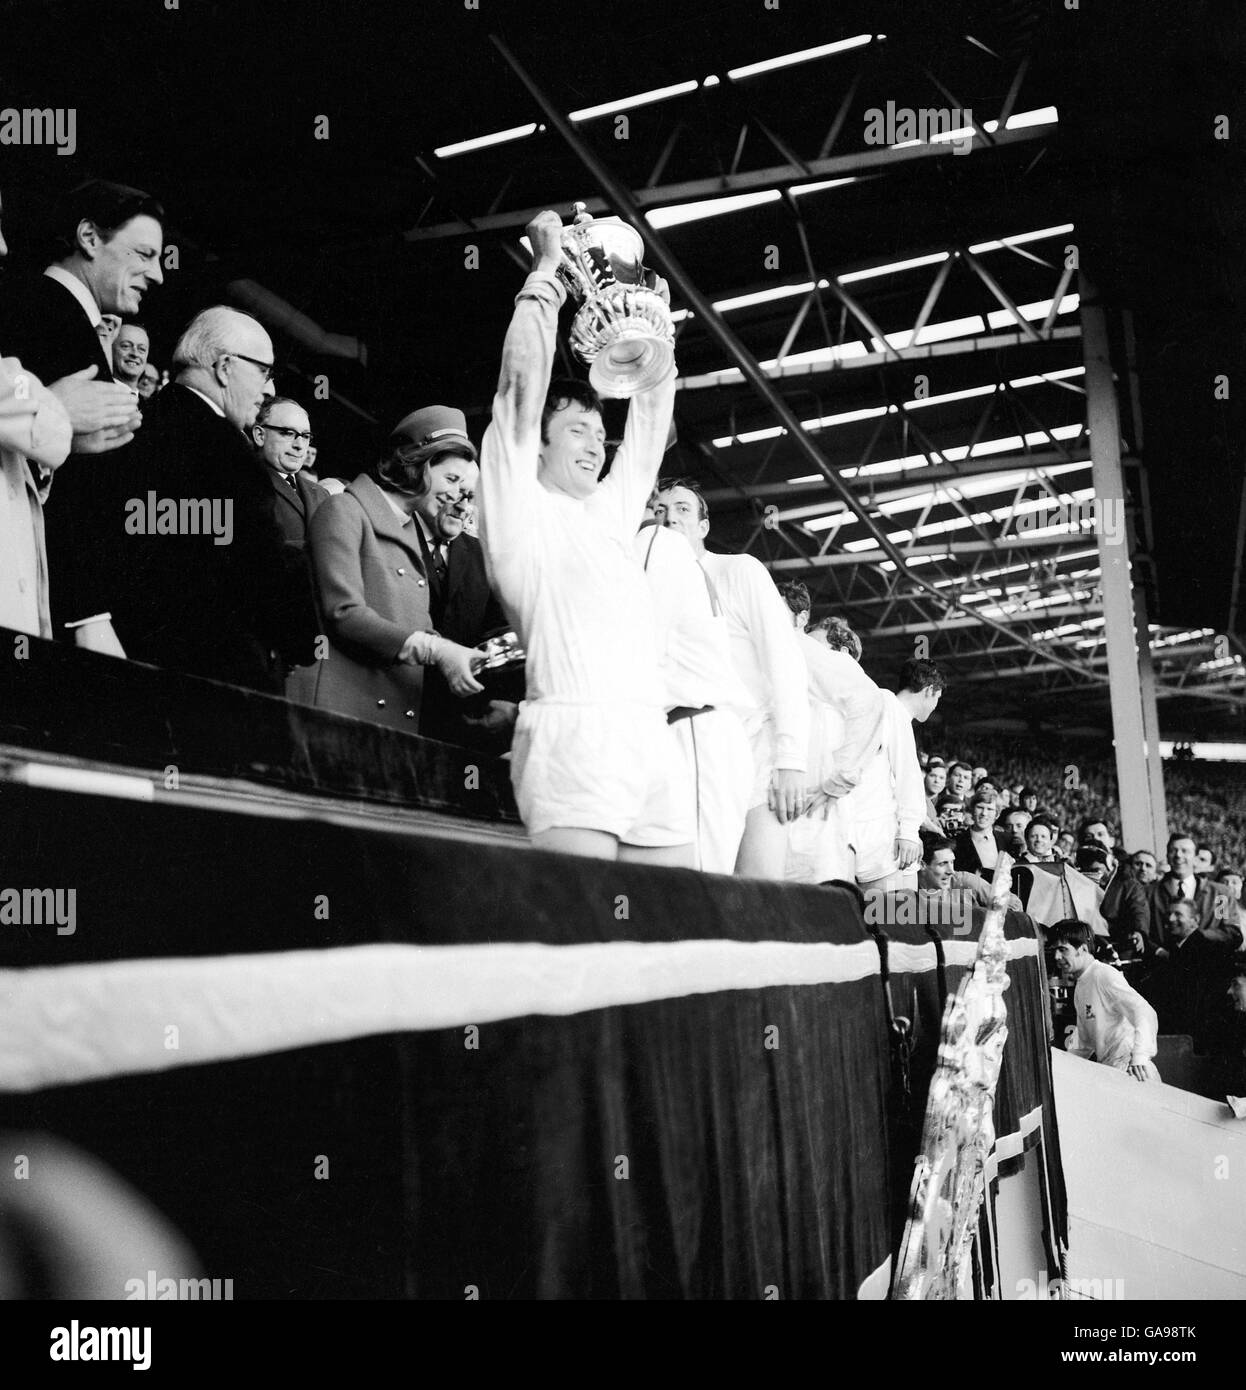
(623, 329)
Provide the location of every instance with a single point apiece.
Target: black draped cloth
(361, 1059)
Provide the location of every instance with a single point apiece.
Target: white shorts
(874, 840)
(818, 849)
(610, 767)
(719, 764)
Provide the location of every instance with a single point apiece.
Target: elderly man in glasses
(212, 586)
(282, 436)
(283, 442)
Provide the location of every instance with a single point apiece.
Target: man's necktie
(294, 487)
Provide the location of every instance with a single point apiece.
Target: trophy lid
(619, 242)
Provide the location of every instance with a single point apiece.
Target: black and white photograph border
(622, 666)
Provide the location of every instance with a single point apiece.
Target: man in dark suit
(1125, 906)
(1180, 883)
(1188, 976)
(211, 586)
(107, 257)
(461, 604)
(282, 437)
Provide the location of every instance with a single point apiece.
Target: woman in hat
(372, 575)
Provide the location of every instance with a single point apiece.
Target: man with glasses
(282, 435)
(283, 440)
(234, 604)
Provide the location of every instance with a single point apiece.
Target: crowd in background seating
(1076, 779)
(1174, 914)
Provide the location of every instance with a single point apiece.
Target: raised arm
(639, 458)
(508, 454)
(528, 351)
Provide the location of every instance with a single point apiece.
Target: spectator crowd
(1168, 958)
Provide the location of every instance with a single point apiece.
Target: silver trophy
(623, 329)
(499, 665)
(501, 651)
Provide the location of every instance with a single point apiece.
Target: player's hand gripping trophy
(622, 330)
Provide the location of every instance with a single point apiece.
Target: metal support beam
(1141, 536)
(994, 343)
(1003, 296)
(1162, 692)
(667, 150)
(859, 163)
(845, 105)
(917, 479)
(1148, 688)
(1142, 821)
(1044, 615)
(1014, 547)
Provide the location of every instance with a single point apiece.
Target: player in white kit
(772, 672)
(702, 692)
(594, 764)
(889, 803)
(845, 723)
(1115, 1024)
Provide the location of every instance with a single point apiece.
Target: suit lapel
(289, 496)
(453, 561)
(84, 329)
(436, 587)
(308, 494)
(383, 520)
(106, 371)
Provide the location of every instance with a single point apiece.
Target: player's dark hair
(1071, 932)
(565, 391)
(703, 507)
(916, 675)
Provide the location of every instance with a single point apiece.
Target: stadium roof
(912, 302)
